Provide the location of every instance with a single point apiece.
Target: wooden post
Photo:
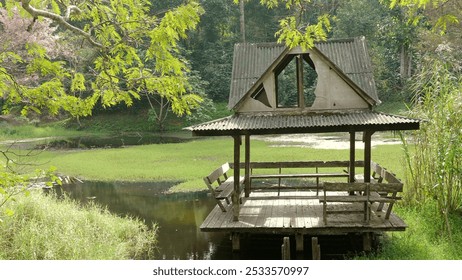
(301, 96)
(352, 156)
(247, 166)
(236, 241)
(299, 242)
(236, 193)
(315, 249)
(367, 168)
(367, 156)
(285, 248)
(367, 241)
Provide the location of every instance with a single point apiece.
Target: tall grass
(435, 158)
(44, 227)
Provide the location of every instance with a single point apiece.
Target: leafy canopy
(136, 51)
(446, 10)
(293, 30)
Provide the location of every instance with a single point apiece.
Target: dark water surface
(117, 141)
(179, 217)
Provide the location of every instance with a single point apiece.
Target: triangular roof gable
(347, 57)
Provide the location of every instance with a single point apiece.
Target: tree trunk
(406, 62)
(242, 19)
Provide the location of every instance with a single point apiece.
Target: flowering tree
(136, 51)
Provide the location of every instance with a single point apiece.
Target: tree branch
(59, 19)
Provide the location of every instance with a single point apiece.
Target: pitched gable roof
(250, 62)
(349, 57)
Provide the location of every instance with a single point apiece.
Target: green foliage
(422, 240)
(136, 53)
(47, 228)
(434, 170)
(415, 8)
(295, 30)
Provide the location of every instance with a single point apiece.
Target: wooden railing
(316, 170)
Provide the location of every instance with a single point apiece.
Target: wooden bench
(221, 185)
(365, 193)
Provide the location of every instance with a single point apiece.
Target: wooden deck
(297, 212)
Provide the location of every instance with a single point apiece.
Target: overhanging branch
(59, 19)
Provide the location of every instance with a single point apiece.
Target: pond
(115, 141)
(179, 217)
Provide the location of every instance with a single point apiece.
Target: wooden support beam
(236, 194)
(301, 96)
(247, 181)
(352, 157)
(367, 155)
(299, 242)
(285, 248)
(315, 249)
(236, 241)
(367, 241)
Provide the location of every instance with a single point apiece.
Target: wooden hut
(329, 88)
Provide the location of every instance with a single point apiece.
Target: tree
(295, 30)
(137, 53)
(440, 13)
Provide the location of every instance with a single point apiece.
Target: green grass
(190, 162)
(43, 227)
(423, 239)
(393, 107)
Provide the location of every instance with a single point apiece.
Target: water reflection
(89, 142)
(177, 215)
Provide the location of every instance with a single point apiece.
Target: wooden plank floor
(296, 211)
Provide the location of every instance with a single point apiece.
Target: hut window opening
(296, 81)
(260, 95)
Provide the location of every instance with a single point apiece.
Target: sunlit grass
(44, 227)
(190, 162)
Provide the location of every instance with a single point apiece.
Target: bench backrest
(217, 174)
(375, 187)
(383, 174)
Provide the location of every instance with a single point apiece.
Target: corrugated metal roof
(251, 61)
(286, 123)
(352, 57)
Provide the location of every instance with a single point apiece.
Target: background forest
(400, 44)
(144, 65)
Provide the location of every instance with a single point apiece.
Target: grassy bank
(46, 228)
(424, 238)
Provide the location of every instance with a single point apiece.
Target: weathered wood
(297, 164)
(236, 241)
(285, 248)
(371, 193)
(309, 217)
(367, 241)
(351, 166)
(299, 244)
(225, 185)
(236, 193)
(373, 187)
(247, 166)
(367, 155)
(315, 249)
(304, 175)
